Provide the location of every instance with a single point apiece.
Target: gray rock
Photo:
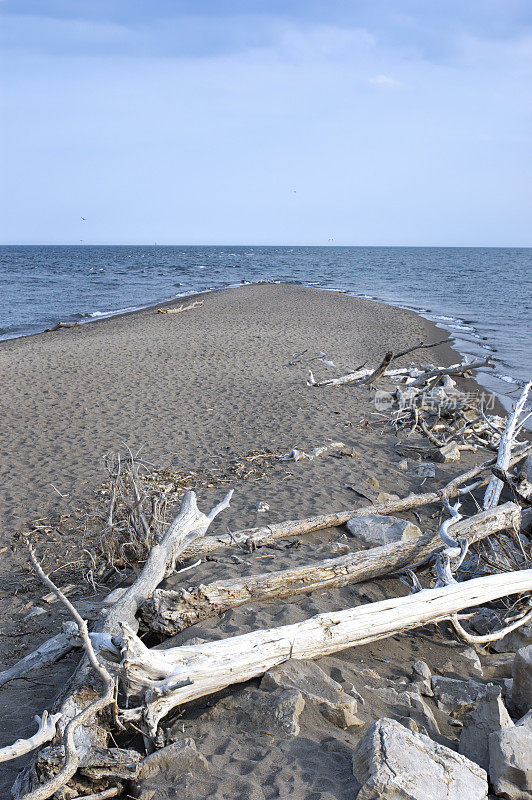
(498, 665)
(488, 716)
(421, 678)
(511, 762)
(374, 530)
(180, 756)
(276, 712)
(457, 697)
(160, 772)
(514, 640)
(522, 680)
(409, 704)
(393, 763)
(315, 685)
(471, 656)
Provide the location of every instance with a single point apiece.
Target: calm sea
(481, 296)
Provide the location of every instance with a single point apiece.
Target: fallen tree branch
(455, 369)
(161, 680)
(76, 705)
(45, 733)
(471, 638)
(252, 538)
(47, 653)
(493, 492)
(172, 611)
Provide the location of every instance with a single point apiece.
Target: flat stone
(277, 711)
(409, 704)
(510, 768)
(315, 685)
(375, 530)
(456, 697)
(488, 716)
(449, 452)
(393, 763)
(522, 681)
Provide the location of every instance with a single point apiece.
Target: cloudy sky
(385, 122)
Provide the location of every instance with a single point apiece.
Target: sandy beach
(195, 389)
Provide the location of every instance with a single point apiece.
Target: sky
(362, 122)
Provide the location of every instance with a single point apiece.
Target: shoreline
(197, 390)
(464, 347)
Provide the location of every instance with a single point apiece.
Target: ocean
(481, 296)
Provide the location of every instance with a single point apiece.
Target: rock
(526, 720)
(393, 763)
(511, 762)
(526, 521)
(514, 640)
(386, 497)
(449, 452)
(403, 465)
(277, 711)
(160, 772)
(410, 704)
(457, 697)
(425, 469)
(180, 756)
(498, 665)
(373, 482)
(471, 656)
(522, 681)
(421, 678)
(488, 716)
(374, 529)
(315, 685)
(261, 506)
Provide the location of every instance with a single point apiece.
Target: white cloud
(385, 81)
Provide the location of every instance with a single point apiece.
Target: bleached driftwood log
(493, 492)
(454, 369)
(172, 611)
(252, 538)
(161, 680)
(45, 733)
(79, 702)
(48, 653)
(300, 455)
(418, 375)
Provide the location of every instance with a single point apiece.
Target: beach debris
(262, 506)
(61, 326)
(171, 611)
(392, 761)
(300, 455)
(182, 307)
(374, 530)
(509, 761)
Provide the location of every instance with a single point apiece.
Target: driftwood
(48, 653)
(172, 611)
(180, 308)
(493, 492)
(251, 538)
(46, 732)
(79, 703)
(161, 680)
(416, 376)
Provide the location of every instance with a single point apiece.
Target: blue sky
(357, 123)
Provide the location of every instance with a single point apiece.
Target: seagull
(84, 220)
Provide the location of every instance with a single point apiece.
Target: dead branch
(45, 733)
(493, 492)
(251, 538)
(172, 611)
(160, 680)
(47, 653)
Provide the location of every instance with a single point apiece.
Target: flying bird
(84, 220)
